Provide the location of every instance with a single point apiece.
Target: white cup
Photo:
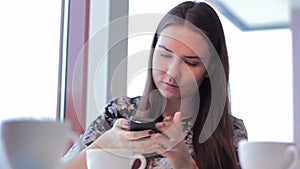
(268, 155)
(3, 158)
(112, 159)
(35, 144)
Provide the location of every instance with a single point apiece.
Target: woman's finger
(175, 130)
(172, 128)
(122, 123)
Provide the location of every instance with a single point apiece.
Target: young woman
(186, 94)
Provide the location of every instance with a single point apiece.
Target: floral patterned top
(125, 107)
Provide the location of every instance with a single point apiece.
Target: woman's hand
(171, 142)
(119, 137)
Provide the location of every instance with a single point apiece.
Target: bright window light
(30, 37)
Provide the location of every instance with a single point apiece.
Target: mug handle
(140, 157)
(292, 149)
(74, 138)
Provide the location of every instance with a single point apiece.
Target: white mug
(35, 144)
(268, 155)
(112, 159)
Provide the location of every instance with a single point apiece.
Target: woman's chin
(171, 96)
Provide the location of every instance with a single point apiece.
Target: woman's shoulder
(122, 106)
(123, 102)
(239, 130)
(238, 123)
(118, 107)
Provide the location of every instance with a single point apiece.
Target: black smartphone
(139, 126)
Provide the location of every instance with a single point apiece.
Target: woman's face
(177, 68)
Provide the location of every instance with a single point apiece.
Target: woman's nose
(174, 68)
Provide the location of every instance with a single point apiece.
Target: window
(30, 37)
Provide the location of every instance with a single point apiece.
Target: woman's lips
(170, 86)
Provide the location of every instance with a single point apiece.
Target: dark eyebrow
(169, 50)
(192, 57)
(165, 48)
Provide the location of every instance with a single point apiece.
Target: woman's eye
(165, 55)
(192, 64)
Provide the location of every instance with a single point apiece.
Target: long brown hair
(217, 151)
